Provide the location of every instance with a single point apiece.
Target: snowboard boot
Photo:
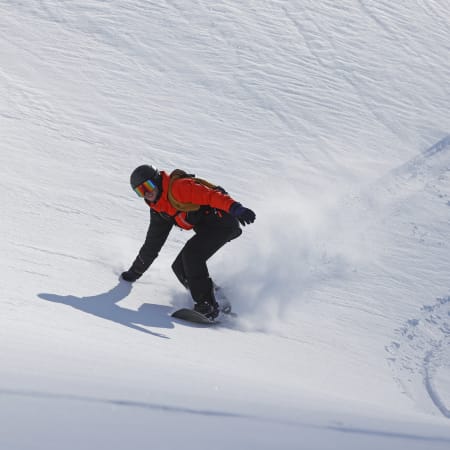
(207, 309)
(202, 292)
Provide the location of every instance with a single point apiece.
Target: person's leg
(212, 233)
(190, 265)
(177, 267)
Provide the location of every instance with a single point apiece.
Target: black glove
(130, 275)
(243, 214)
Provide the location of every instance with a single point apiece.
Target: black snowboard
(193, 316)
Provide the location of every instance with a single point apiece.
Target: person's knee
(178, 269)
(176, 266)
(235, 233)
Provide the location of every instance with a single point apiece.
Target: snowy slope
(330, 119)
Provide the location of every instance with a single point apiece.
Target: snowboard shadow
(105, 306)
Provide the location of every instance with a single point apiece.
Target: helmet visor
(146, 186)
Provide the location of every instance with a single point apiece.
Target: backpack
(185, 207)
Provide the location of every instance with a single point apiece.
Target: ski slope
(330, 120)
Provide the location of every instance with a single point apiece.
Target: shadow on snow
(105, 305)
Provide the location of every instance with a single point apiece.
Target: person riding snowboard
(192, 204)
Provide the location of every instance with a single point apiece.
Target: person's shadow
(105, 306)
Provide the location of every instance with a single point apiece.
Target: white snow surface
(329, 119)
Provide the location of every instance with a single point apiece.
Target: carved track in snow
(420, 356)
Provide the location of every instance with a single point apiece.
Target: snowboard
(190, 315)
(193, 316)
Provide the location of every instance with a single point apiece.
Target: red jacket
(186, 190)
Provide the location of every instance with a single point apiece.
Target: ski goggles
(146, 186)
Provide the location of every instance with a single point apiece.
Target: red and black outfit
(213, 225)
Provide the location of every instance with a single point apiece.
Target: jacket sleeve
(157, 233)
(187, 190)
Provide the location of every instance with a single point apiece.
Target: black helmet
(144, 173)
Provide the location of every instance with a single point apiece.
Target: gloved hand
(130, 275)
(243, 214)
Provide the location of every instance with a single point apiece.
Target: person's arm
(157, 233)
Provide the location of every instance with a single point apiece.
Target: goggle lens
(146, 186)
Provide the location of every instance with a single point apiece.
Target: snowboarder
(190, 203)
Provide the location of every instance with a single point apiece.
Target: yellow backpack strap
(184, 207)
(205, 183)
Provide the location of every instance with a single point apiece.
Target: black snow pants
(214, 229)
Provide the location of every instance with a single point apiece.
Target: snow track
(420, 356)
